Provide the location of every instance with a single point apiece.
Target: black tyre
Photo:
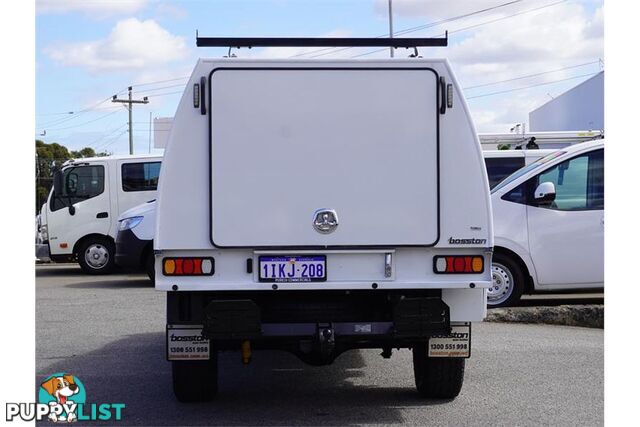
(96, 255)
(149, 266)
(437, 378)
(195, 381)
(508, 282)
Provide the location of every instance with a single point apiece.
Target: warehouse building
(579, 108)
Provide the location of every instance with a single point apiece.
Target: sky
(510, 57)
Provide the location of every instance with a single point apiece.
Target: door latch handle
(102, 215)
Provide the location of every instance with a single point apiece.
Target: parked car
(502, 163)
(318, 207)
(88, 196)
(134, 242)
(549, 225)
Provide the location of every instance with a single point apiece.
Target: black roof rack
(249, 42)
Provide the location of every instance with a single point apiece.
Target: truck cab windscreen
(78, 184)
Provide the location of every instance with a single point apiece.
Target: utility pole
(391, 26)
(130, 103)
(150, 113)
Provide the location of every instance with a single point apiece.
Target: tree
(85, 152)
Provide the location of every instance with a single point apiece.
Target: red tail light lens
(458, 264)
(188, 266)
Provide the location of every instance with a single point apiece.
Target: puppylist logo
(62, 399)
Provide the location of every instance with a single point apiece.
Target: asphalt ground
(109, 332)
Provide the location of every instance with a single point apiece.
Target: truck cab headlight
(129, 223)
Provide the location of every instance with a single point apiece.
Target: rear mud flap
(235, 319)
(420, 317)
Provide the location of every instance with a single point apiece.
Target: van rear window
(140, 176)
(498, 168)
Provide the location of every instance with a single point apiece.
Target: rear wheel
(96, 255)
(439, 378)
(507, 282)
(197, 380)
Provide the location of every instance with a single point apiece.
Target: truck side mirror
(545, 193)
(58, 183)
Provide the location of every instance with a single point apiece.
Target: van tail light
(458, 264)
(188, 266)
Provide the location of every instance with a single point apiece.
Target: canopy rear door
(362, 142)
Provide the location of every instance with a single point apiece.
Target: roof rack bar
(239, 42)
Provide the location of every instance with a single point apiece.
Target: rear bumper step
(410, 319)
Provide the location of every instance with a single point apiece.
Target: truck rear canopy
(287, 142)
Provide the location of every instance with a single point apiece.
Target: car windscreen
(520, 172)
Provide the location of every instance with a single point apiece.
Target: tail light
(458, 264)
(188, 266)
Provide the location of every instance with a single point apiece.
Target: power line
(531, 75)
(507, 17)
(161, 81)
(112, 131)
(531, 86)
(112, 140)
(90, 121)
(163, 87)
(163, 94)
(55, 114)
(75, 114)
(412, 29)
(105, 100)
(477, 25)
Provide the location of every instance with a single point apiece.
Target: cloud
(90, 7)
(170, 11)
(555, 37)
(549, 39)
(131, 45)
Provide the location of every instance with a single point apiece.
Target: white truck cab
(318, 207)
(88, 196)
(549, 225)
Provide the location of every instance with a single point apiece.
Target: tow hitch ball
(325, 340)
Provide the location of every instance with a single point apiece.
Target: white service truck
(79, 220)
(318, 207)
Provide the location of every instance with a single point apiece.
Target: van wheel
(507, 282)
(439, 378)
(195, 380)
(149, 266)
(96, 255)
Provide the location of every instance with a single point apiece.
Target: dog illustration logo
(62, 392)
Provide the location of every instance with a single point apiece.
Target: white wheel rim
(96, 256)
(501, 284)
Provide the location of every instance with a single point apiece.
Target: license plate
(456, 344)
(185, 342)
(293, 268)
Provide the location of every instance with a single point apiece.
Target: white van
(502, 163)
(80, 216)
(134, 243)
(318, 207)
(549, 225)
